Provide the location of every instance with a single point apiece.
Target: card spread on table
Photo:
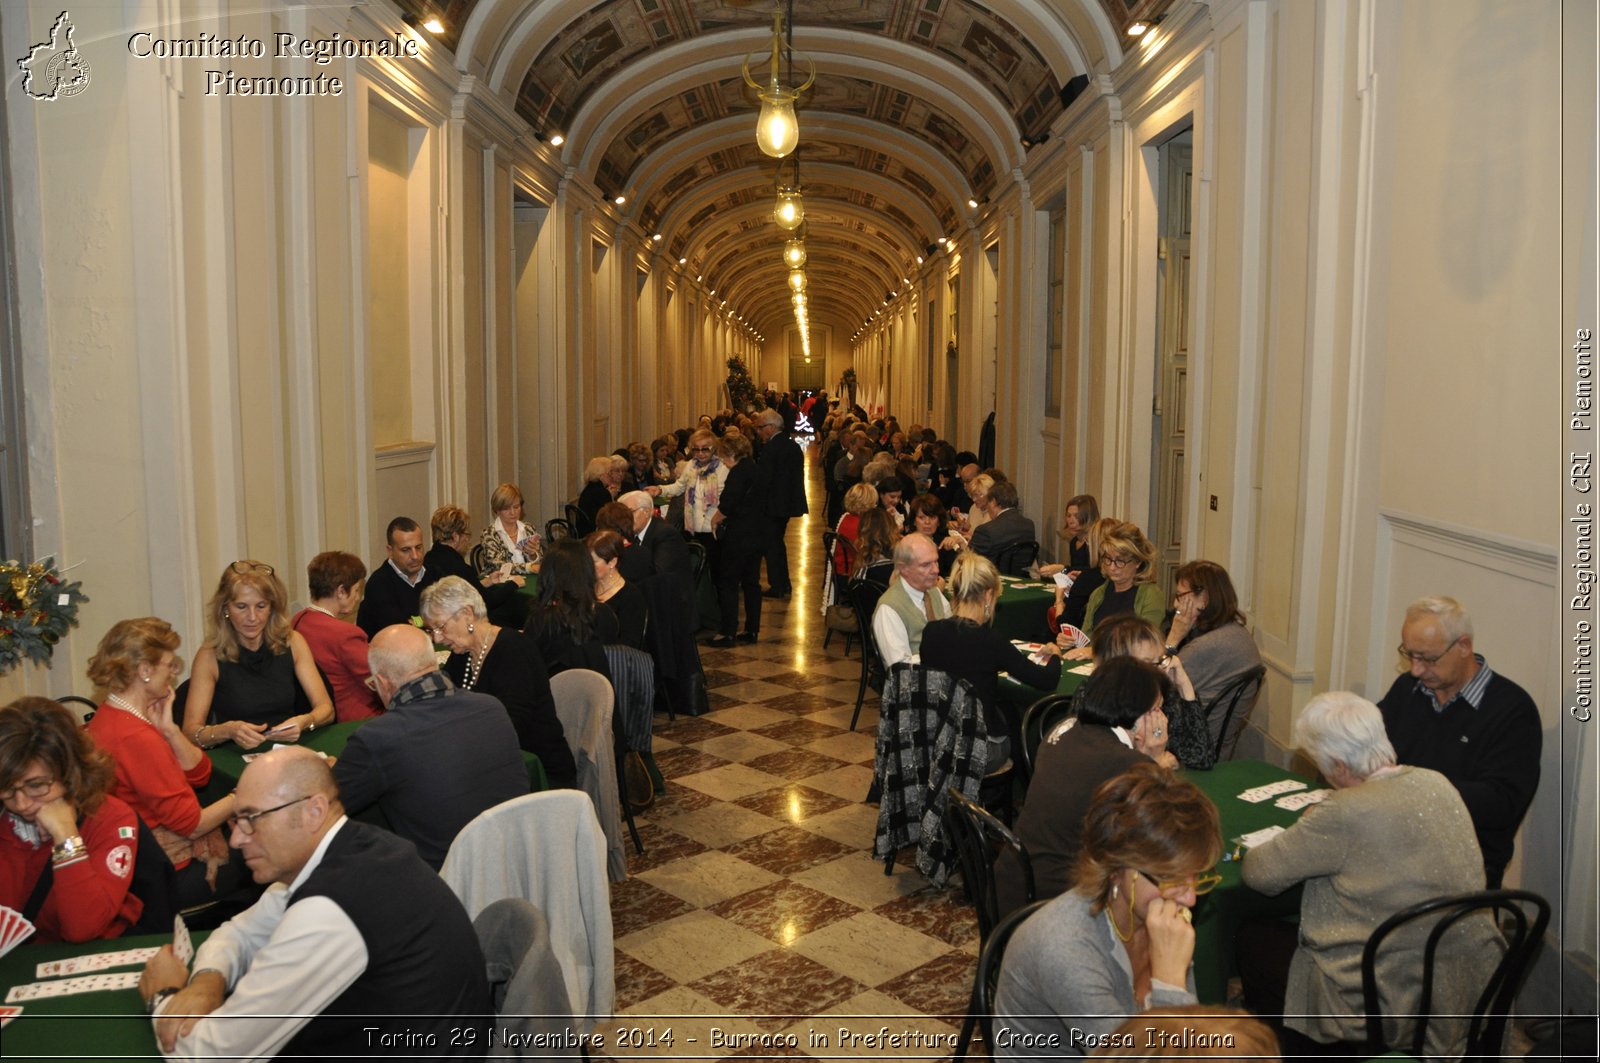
(1259, 837)
(1256, 794)
(182, 946)
(98, 961)
(1295, 802)
(14, 929)
(8, 1012)
(63, 987)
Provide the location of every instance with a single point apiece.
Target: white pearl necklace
(474, 666)
(127, 706)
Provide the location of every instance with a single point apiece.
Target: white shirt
(409, 582)
(894, 642)
(283, 964)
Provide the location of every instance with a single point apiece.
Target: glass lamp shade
(777, 132)
(794, 253)
(789, 211)
(797, 280)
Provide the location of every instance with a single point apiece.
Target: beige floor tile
(850, 782)
(742, 745)
(859, 879)
(748, 717)
(693, 1024)
(706, 878)
(692, 946)
(852, 747)
(720, 824)
(869, 948)
(752, 669)
(731, 781)
(839, 715)
(852, 825)
(856, 1028)
(753, 690)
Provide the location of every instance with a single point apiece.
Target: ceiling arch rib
(954, 112)
(684, 162)
(553, 54)
(734, 266)
(722, 191)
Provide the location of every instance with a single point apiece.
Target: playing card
(14, 929)
(69, 986)
(182, 947)
(7, 1013)
(95, 962)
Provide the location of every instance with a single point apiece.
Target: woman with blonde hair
(700, 482)
(1128, 562)
(602, 479)
(968, 647)
(1070, 605)
(159, 770)
(1121, 942)
(862, 498)
(255, 679)
(510, 547)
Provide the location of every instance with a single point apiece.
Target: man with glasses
(354, 939)
(1452, 713)
(437, 757)
(395, 587)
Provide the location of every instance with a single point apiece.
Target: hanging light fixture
(794, 253)
(777, 131)
(797, 280)
(789, 210)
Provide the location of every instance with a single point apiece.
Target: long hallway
(757, 908)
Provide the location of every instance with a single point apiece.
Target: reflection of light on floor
(788, 932)
(794, 807)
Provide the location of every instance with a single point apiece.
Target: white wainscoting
(403, 487)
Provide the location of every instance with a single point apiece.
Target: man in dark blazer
(395, 586)
(663, 544)
(1005, 528)
(782, 477)
(440, 755)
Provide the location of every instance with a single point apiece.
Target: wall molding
(399, 455)
(1523, 558)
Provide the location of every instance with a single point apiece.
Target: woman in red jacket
(60, 820)
(158, 767)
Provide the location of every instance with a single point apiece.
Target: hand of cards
(14, 929)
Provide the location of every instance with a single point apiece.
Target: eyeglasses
(1202, 883)
(245, 822)
(31, 787)
(1427, 659)
(1117, 562)
(699, 450)
(244, 568)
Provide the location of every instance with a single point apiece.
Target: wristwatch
(157, 999)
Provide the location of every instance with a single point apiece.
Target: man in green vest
(911, 601)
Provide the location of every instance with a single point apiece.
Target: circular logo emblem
(120, 861)
(68, 73)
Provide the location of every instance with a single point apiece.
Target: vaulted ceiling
(920, 108)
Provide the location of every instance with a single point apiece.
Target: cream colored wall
(388, 243)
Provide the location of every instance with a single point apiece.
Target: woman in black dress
(968, 647)
(501, 662)
(623, 598)
(566, 621)
(741, 524)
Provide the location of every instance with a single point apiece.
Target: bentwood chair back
(836, 620)
(546, 849)
(979, 838)
(864, 595)
(557, 528)
(980, 1011)
(1039, 720)
(1241, 691)
(584, 702)
(1502, 975)
(1015, 559)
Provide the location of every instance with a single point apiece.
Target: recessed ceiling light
(620, 200)
(973, 203)
(657, 237)
(557, 140)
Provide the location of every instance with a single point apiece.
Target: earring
(471, 628)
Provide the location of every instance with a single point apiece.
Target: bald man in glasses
(354, 938)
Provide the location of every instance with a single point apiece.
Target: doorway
(1170, 403)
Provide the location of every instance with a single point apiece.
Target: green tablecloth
(331, 740)
(1219, 913)
(1020, 612)
(86, 1026)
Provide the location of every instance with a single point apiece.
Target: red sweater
(89, 898)
(340, 650)
(148, 776)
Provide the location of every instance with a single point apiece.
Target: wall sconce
(1140, 26)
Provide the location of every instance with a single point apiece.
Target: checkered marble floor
(757, 908)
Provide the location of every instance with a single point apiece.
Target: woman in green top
(1128, 561)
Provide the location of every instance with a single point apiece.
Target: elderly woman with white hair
(1389, 837)
(503, 663)
(602, 479)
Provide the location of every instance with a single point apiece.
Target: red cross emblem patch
(120, 861)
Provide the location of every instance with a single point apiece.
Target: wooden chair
(981, 1010)
(830, 578)
(1228, 701)
(1487, 1028)
(1039, 720)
